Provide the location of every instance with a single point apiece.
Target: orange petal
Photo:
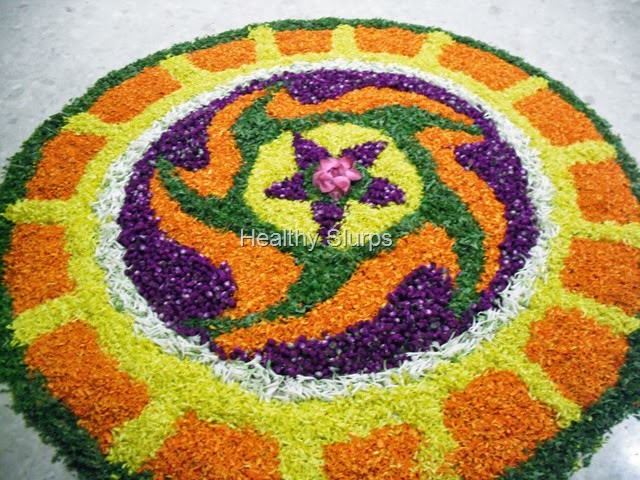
(556, 119)
(223, 57)
(87, 380)
(484, 67)
(283, 106)
(292, 42)
(129, 99)
(606, 271)
(496, 425)
(63, 163)
(255, 292)
(580, 356)
(393, 40)
(200, 450)
(225, 158)
(37, 265)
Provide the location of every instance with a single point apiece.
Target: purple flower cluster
(365, 153)
(327, 215)
(415, 318)
(289, 188)
(185, 143)
(323, 84)
(177, 282)
(307, 152)
(381, 192)
(497, 163)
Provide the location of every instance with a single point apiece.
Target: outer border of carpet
(555, 459)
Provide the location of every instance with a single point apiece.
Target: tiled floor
(53, 51)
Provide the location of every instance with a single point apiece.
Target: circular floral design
(323, 250)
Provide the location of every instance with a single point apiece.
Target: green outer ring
(555, 459)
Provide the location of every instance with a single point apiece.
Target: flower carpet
(341, 249)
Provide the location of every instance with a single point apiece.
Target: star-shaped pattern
(311, 157)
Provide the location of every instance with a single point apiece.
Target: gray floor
(52, 51)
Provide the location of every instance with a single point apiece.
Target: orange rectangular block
(200, 450)
(496, 425)
(87, 380)
(604, 193)
(606, 271)
(556, 119)
(223, 57)
(388, 453)
(396, 41)
(581, 357)
(63, 163)
(292, 42)
(37, 265)
(129, 99)
(482, 66)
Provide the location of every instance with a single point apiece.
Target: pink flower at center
(334, 176)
